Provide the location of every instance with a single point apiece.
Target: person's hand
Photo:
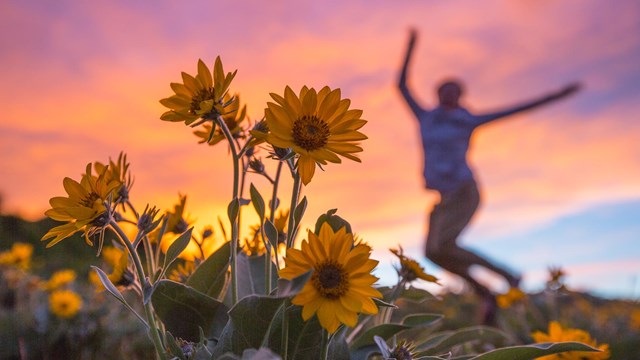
(413, 37)
(569, 89)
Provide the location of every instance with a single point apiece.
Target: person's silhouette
(446, 131)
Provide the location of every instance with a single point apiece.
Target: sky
(81, 82)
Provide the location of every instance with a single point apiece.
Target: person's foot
(514, 281)
(488, 310)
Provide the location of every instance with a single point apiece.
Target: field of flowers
(159, 288)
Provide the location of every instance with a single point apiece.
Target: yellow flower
(19, 256)
(410, 270)
(634, 319)
(65, 303)
(117, 171)
(59, 279)
(84, 209)
(111, 255)
(198, 97)
(558, 334)
(120, 275)
(182, 272)
(341, 284)
(7, 258)
(318, 126)
(513, 296)
(233, 119)
(254, 245)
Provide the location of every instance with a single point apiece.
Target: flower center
(310, 132)
(330, 279)
(401, 353)
(180, 227)
(200, 96)
(408, 271)
(89, 200)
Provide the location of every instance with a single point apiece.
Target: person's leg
(448, 220)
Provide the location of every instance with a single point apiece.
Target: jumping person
(446, 131)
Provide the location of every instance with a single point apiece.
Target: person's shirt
(445, 141)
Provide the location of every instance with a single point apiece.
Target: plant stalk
(153, 330)
(234, 225)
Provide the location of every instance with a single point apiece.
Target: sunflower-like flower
(232, 118)
(59, 279)
(558, 334)
(121, 275)
(403, 351)
(177, 223)
(513, 296)
(202, 96)
(117, 171)
(341, 284)
(19, 256)
(254, 244)
(84, 208)
(410, 270)
(317, 125)
(182, 271)
(65, 303)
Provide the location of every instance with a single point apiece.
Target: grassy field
(103, 329)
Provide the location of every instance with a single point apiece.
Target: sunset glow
(81, 82)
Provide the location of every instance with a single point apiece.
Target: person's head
(449, 93)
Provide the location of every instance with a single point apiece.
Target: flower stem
(285, 331)
(273, 205)
(153, 330)
(235, 197)
(325, 345)
(295, 194)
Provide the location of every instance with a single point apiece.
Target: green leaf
(184, 310)
(380, 303)
(258, 201)
(176, 248)
(252, 354)
(298, 214)
(451, 339)
(249, 320)
(527, 352)
(305, 337)
(422, 320)
(113, 290)
(383, 346)
(288, 288)
(174, 348)
(232, 210)
(300, 209)
(384, 331)
(251, 277)
(108, 285)
(416, 295)
(364, 353)
(271, 233)
(211, 275)
(338, 347)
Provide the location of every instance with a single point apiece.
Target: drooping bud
(335, 221)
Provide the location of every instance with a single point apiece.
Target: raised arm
(564, 92)
(402, 83)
